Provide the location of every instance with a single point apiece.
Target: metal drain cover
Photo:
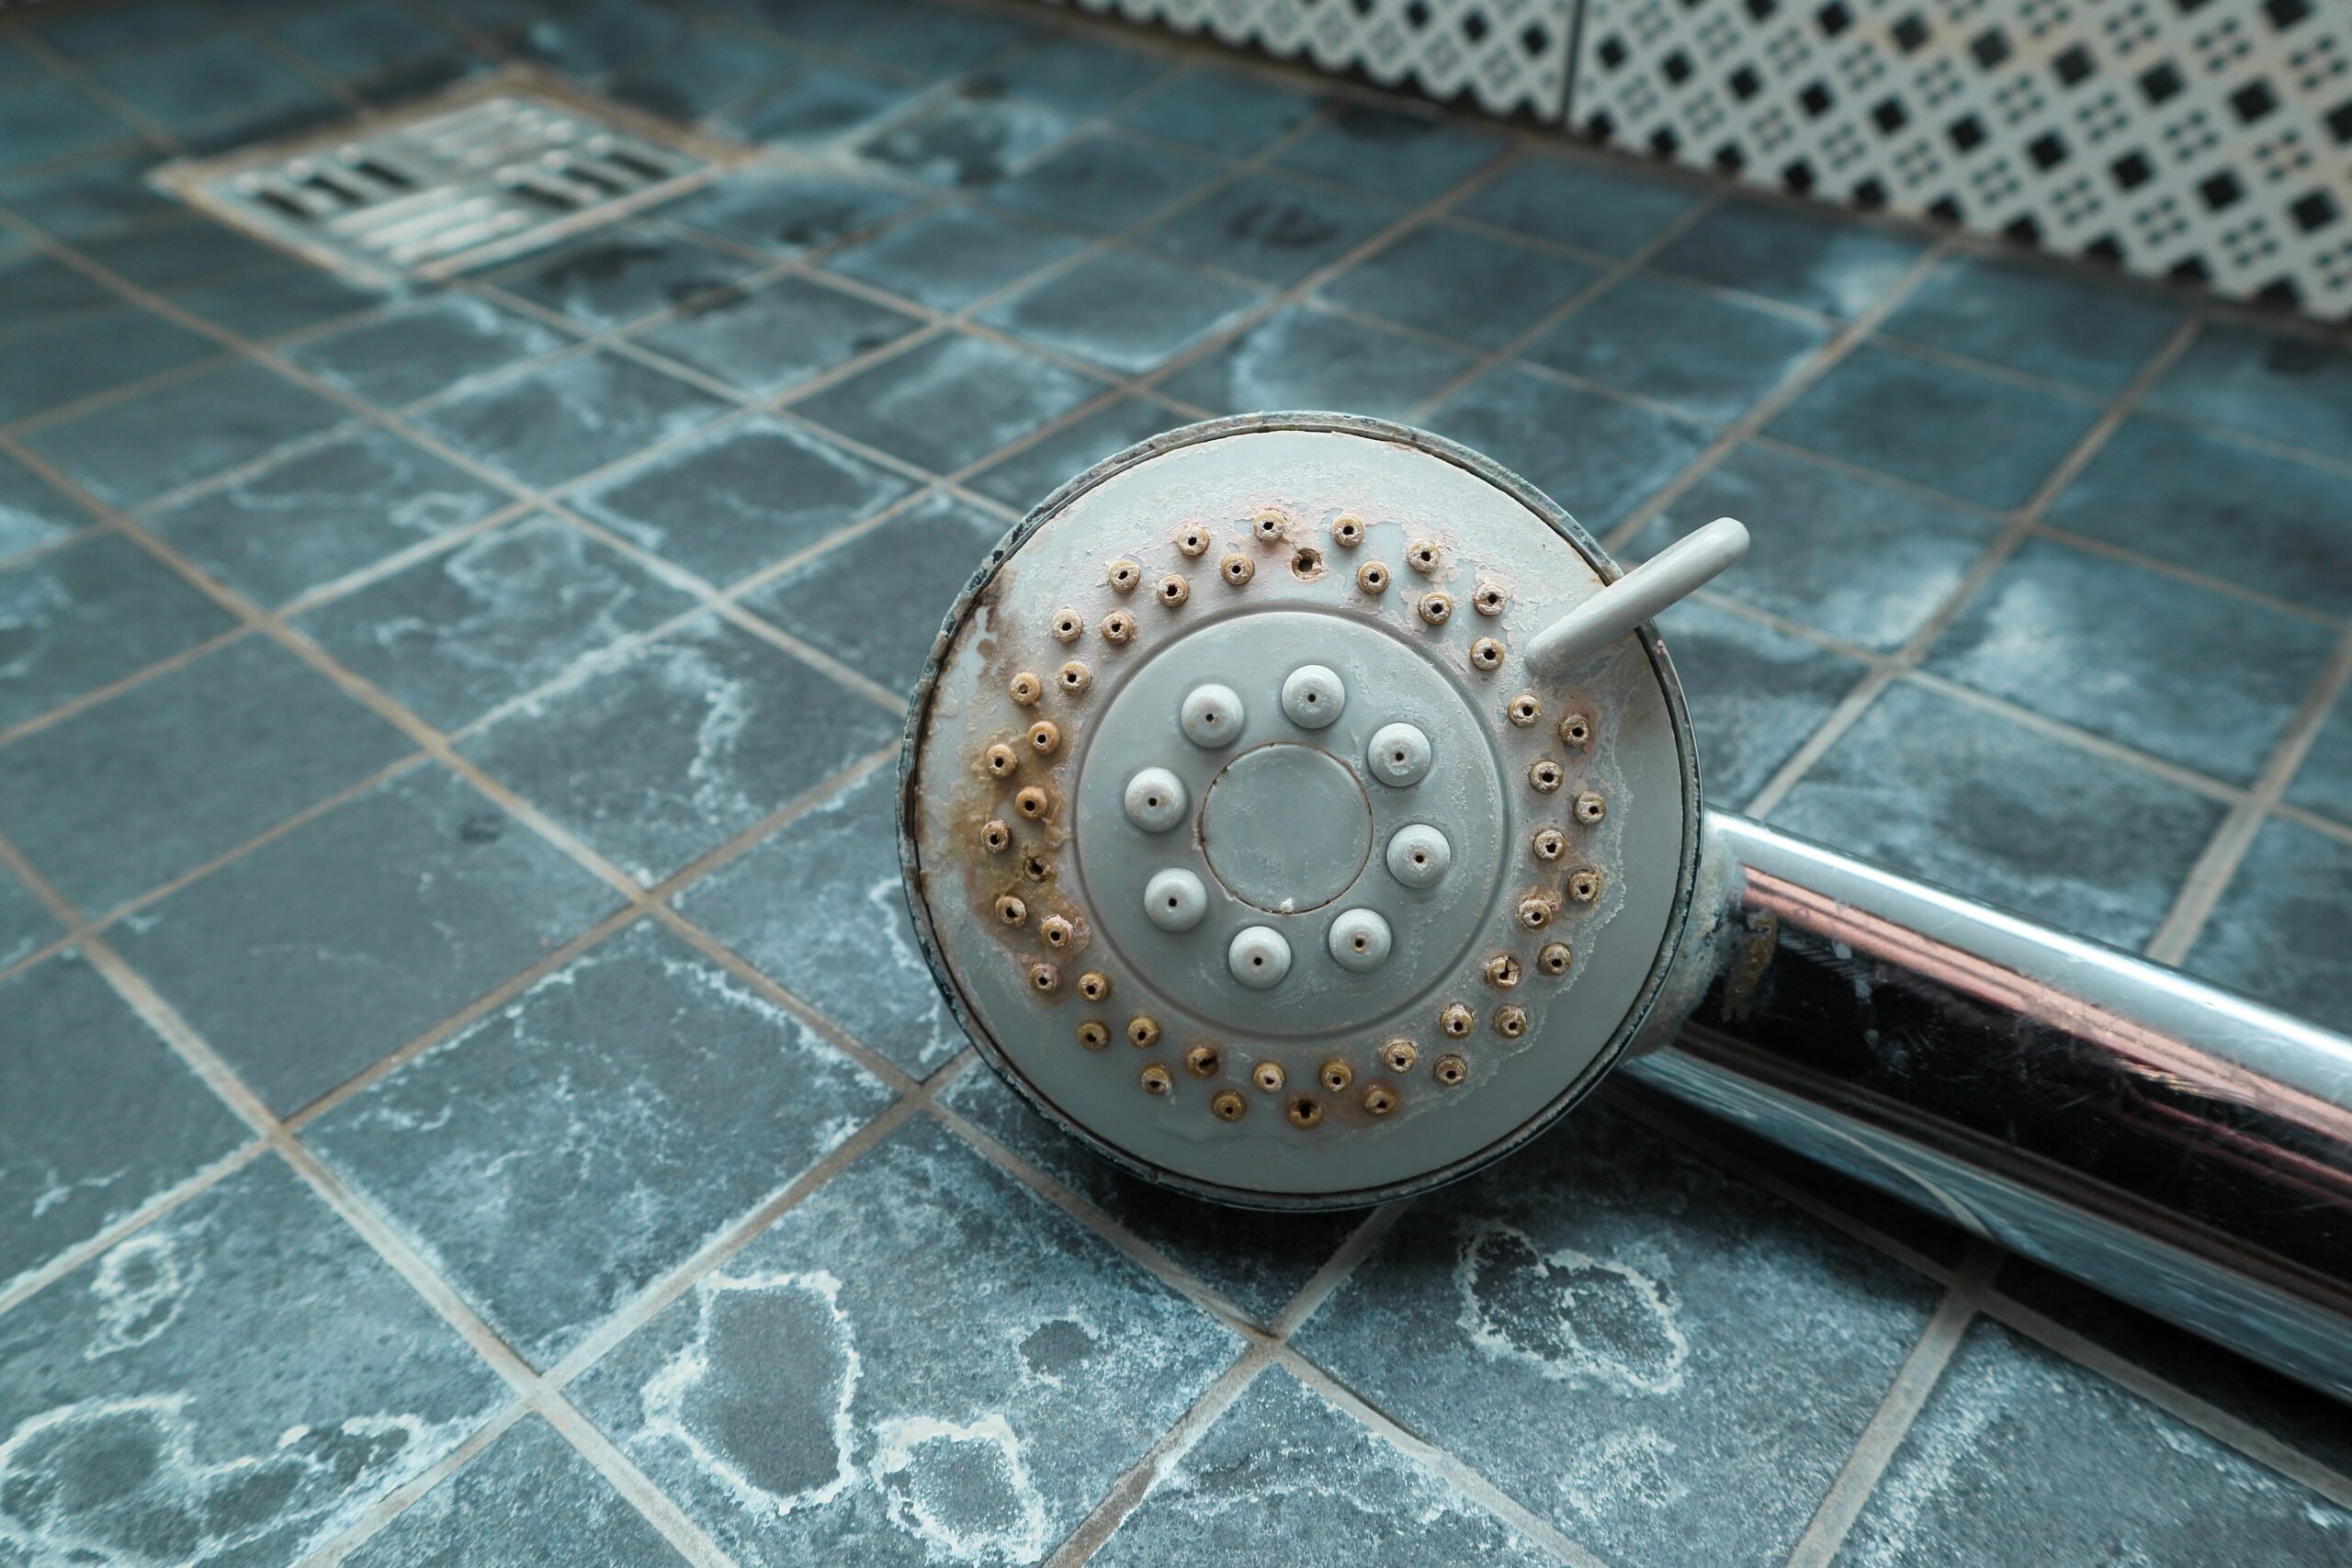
(489, 170)
(1250, 843)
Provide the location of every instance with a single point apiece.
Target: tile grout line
(1850, 335)
(2200, 893)
(2230, 1431)
(379, 1235)
(389, 1507)
(1128, 1492)
(1905, 1397)
(1458, 1473)
(1989, 560)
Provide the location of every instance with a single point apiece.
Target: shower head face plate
(1306, 892)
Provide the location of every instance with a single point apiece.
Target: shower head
(1298, 808)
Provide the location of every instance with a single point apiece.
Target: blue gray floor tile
(528, 1501)
(1101, 183)
(1455, 284)
(968, 138)
(613, 277)
(1612, 208)
(100, 1117)
(1023, 479)
(2212, 504)
(786, 213)
(1975, 801)
(32, 511)
(1755, 694)
(1596, 455)
(1128, 313)
(821, 104)
(923, 1361)
(1998, 442)
(543, 425)
(869, 600)
(661, 755)
(2278, 930)
(558, 1157)
(460, 632)
(134, 451)
(329, 946)
(739, 497)
(1270, 228)
(1256, 1261)
(2042, 320)
(422, 347)
(1225, 111)
(1301, 358)
(2323, 782)
(1700, 352)
(2017, 1445)
(1396, 152)
(91, 352)
(88, 614)
(154, 781)
(1282, 1477)
(2278, 386)
(322, 513)
(948, 258)
(1616, 1330)
(1861, 561)
(245, 1375)
(1805, 258)
(764, 340)
(946, 403)
(840, 941)
(2194, 675)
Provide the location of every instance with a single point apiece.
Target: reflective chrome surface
(2173, 1144)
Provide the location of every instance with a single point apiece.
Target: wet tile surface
(505, 612)
(1861, 561)
(322, 513)
(307, 960)
(244, 736)
(728, 502)
(558, 1156)
(661, 755)
(1256, 1261)
(2278, 932)
(75, 619)
(2000, 439)
(243, 1377)
(528, 1501)
(893, 1371)
(1284, 1477)
(949, 402)
(1975, 801)
(840, 941)
(100, 1117)
(857, 599)
(2153, 651)
(1616, 1330)
(2016, 1444)
(925, 1358)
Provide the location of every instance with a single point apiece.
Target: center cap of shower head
(1245, 843)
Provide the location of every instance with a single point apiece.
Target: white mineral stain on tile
(1571, 1316)
(56, 1190)
(777, 1434)
(1612, 1471)
(962, 1489)
(139, 1288)
(117, 1482)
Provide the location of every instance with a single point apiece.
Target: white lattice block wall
(2204, 139)
(1508, 55)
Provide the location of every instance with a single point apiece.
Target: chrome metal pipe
(2172, 1143)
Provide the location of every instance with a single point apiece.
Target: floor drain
(495, 167)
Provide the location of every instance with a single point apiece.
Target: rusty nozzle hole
(1554, 958)
(1025, 688)
(1143, 1033)
(1305, 563)
(1450, 1069)
(1202, 1061)
(1155, 1079)
(1335, 1075)
(1124, 575)
(1093, 1034)
(1068, 623)
(995, 837)
(1011, 910)
(1228, 1107)
(1379, 1099)
(1400, 1055)
(1094, 985)
(1269, 1076)
(1456, 1020)
(1305, 1112)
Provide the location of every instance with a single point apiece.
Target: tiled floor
(451, 1110)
